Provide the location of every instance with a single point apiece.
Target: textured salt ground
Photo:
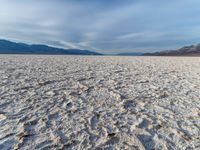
(86, 102)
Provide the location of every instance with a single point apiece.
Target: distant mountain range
(8, 47)
(130, 54)
(193, 50)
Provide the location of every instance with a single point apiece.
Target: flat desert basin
(99, 102)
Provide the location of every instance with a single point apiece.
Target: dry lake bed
(99, 102)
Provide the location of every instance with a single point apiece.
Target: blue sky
(106, 26)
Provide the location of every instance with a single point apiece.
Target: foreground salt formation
(86, 102)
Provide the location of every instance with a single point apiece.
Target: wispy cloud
(105, 26)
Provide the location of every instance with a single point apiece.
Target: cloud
(63, 44)
(105, 26)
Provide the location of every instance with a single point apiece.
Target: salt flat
(88, 102)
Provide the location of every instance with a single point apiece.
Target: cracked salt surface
(88, 102)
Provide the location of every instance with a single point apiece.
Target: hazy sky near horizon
(107, 26)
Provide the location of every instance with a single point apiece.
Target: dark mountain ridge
(130, 54)
(193, 50)
(8, 47)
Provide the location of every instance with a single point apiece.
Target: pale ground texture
(86, 102)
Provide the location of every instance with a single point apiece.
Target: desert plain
(99, 102)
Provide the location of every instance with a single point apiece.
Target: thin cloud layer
(105, 26)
